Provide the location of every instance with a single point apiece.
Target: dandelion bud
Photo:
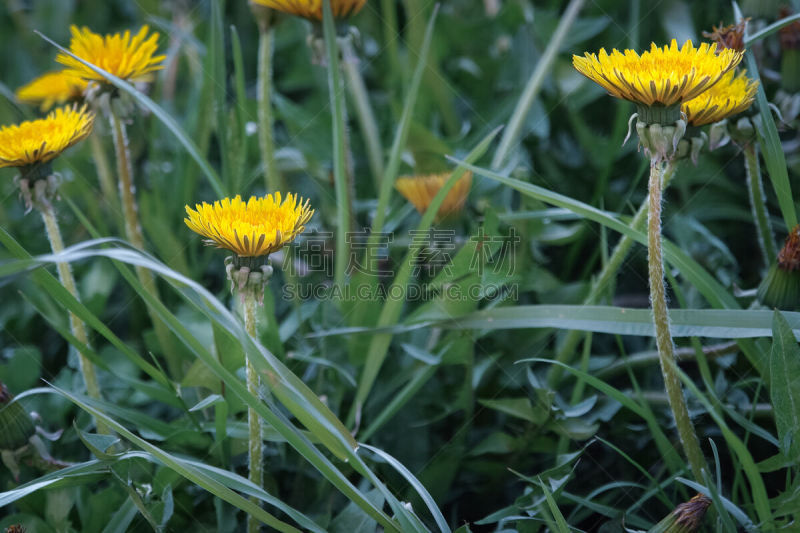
(686, 518)
(781, 287)
(660, 141)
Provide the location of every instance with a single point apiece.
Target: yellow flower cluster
(730, 96)
(258, 227)
(128, 57)
(660, 76)
(420, 191)
(52, 88)
(312, 9)
(39, 141)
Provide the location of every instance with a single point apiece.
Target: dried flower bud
(789, 35)
(686, 518)
(731, 36)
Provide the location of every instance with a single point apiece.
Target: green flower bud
(781, 287)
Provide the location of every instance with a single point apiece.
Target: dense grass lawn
(398, 266)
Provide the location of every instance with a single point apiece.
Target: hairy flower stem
(366, 117)
(103, 170)
(755, 187)
(266, 135)
(666, 348)
(605, 278)
(255, 450)
(76, 324)
(133, 232)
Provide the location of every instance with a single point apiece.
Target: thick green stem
(255, 449)
(339, 145)
(133, 232)
(366, 117)
(531, 91)
(666, 348)
(266, 135)
(604, 279)
(755, 187)
(76, 324)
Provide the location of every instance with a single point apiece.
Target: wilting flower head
(255, 228)
(660, 76)
(686, 518)
(731, 36)
(312, 9)
(52, 88)
(420, 191)
(730, 96)
(128, 57)
(40, 141)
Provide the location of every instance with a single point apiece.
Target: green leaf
(517, 407)
(784, 386)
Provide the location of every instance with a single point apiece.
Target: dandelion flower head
(420, 191)
(258, 227)
(312, 9)
(40, 141)
(662, 76)
(730, 96)
(52, 88)
(126, 56)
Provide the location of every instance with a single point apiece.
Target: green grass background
(496, 444)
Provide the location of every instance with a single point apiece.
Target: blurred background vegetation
(480, 432)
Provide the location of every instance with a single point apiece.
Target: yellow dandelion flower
(42, 140)
(420, 191)
(52, 88)
(128, 57)
(258, 227)
(660, 76)
(312, 9)
(732, 95)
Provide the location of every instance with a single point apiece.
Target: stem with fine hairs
(255, 448)
(755, 187)
(666, 348)
(605, 277)
(133, 232)
(76, 324)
